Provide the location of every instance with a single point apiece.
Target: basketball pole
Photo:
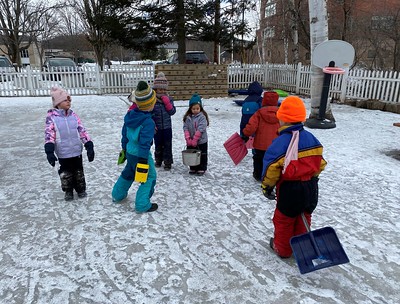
(320, 122)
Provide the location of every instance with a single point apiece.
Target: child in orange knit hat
(292, 164)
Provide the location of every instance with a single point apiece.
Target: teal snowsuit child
(137, 138)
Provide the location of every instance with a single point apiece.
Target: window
(24, 53)
(270, 8)
(269, 32)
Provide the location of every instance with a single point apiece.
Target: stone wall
(373, 104)
(208, 80)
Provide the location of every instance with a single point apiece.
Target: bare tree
(71, 20)
(49, 24)
(318, 34)
(18, 26)
(293, 24)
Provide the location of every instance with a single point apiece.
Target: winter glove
(143, 161)
(142, 170)
(268, 192)
(188, 139)
(167, 103)
(90, 151)
(51, 158)
(196, 138)
(121, 157)
(245, 138)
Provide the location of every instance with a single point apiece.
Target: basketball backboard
(339, 51)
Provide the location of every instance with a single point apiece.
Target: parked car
(192, 57)
(6, 68)
(61, 67)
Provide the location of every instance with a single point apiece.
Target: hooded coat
(264, 125)
(251, 104)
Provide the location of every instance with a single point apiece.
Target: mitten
(187, 138)
(142, 170)
(196, 138)
(143, 160)
(51, 158)
(90, 151)
(245, 138)
(268, 192)
(121, 157)
(167, 103)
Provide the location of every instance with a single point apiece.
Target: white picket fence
(117, 79)
(121, 79)
(354, 84)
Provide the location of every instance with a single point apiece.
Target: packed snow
(208, 241)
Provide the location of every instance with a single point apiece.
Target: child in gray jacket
(195, 122)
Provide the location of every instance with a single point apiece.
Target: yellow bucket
(142, 171)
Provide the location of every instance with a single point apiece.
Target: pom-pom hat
(195, 99)
(145, 97)
(291, 110)
(160, 82)
(58, 95)
(270, 98)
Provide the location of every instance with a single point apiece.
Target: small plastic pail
(191, 157)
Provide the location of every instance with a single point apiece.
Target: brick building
(372, 27)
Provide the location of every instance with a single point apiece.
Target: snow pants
(145, 190)
(163, 147)
(258, 156)
(71, 174)
(285, 228)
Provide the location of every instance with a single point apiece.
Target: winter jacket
(297, 189)
(163, 110)
(251, 104)
(138, 133)
(66, 131)
(265, 125)
(195, 123)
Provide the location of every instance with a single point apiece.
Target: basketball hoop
(333, 70)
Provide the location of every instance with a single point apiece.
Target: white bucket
(191, 157)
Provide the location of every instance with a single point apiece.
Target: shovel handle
(313, 241)
(303, 217)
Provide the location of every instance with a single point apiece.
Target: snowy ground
(208, 242)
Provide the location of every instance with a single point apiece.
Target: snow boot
(69, 195)
(153, 207)
(82, 194)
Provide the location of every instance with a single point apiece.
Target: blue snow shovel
(317, 249)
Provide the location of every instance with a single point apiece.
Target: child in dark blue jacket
(251, 104)
(162, 112)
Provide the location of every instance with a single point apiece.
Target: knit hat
(195, 99)
(270, 99)
(160, 82)
(145, 97)
(292, 109)
(58, 95)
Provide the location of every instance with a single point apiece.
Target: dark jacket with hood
(251, 104)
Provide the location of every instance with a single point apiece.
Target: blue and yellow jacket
(310, 162)
(138, 133)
